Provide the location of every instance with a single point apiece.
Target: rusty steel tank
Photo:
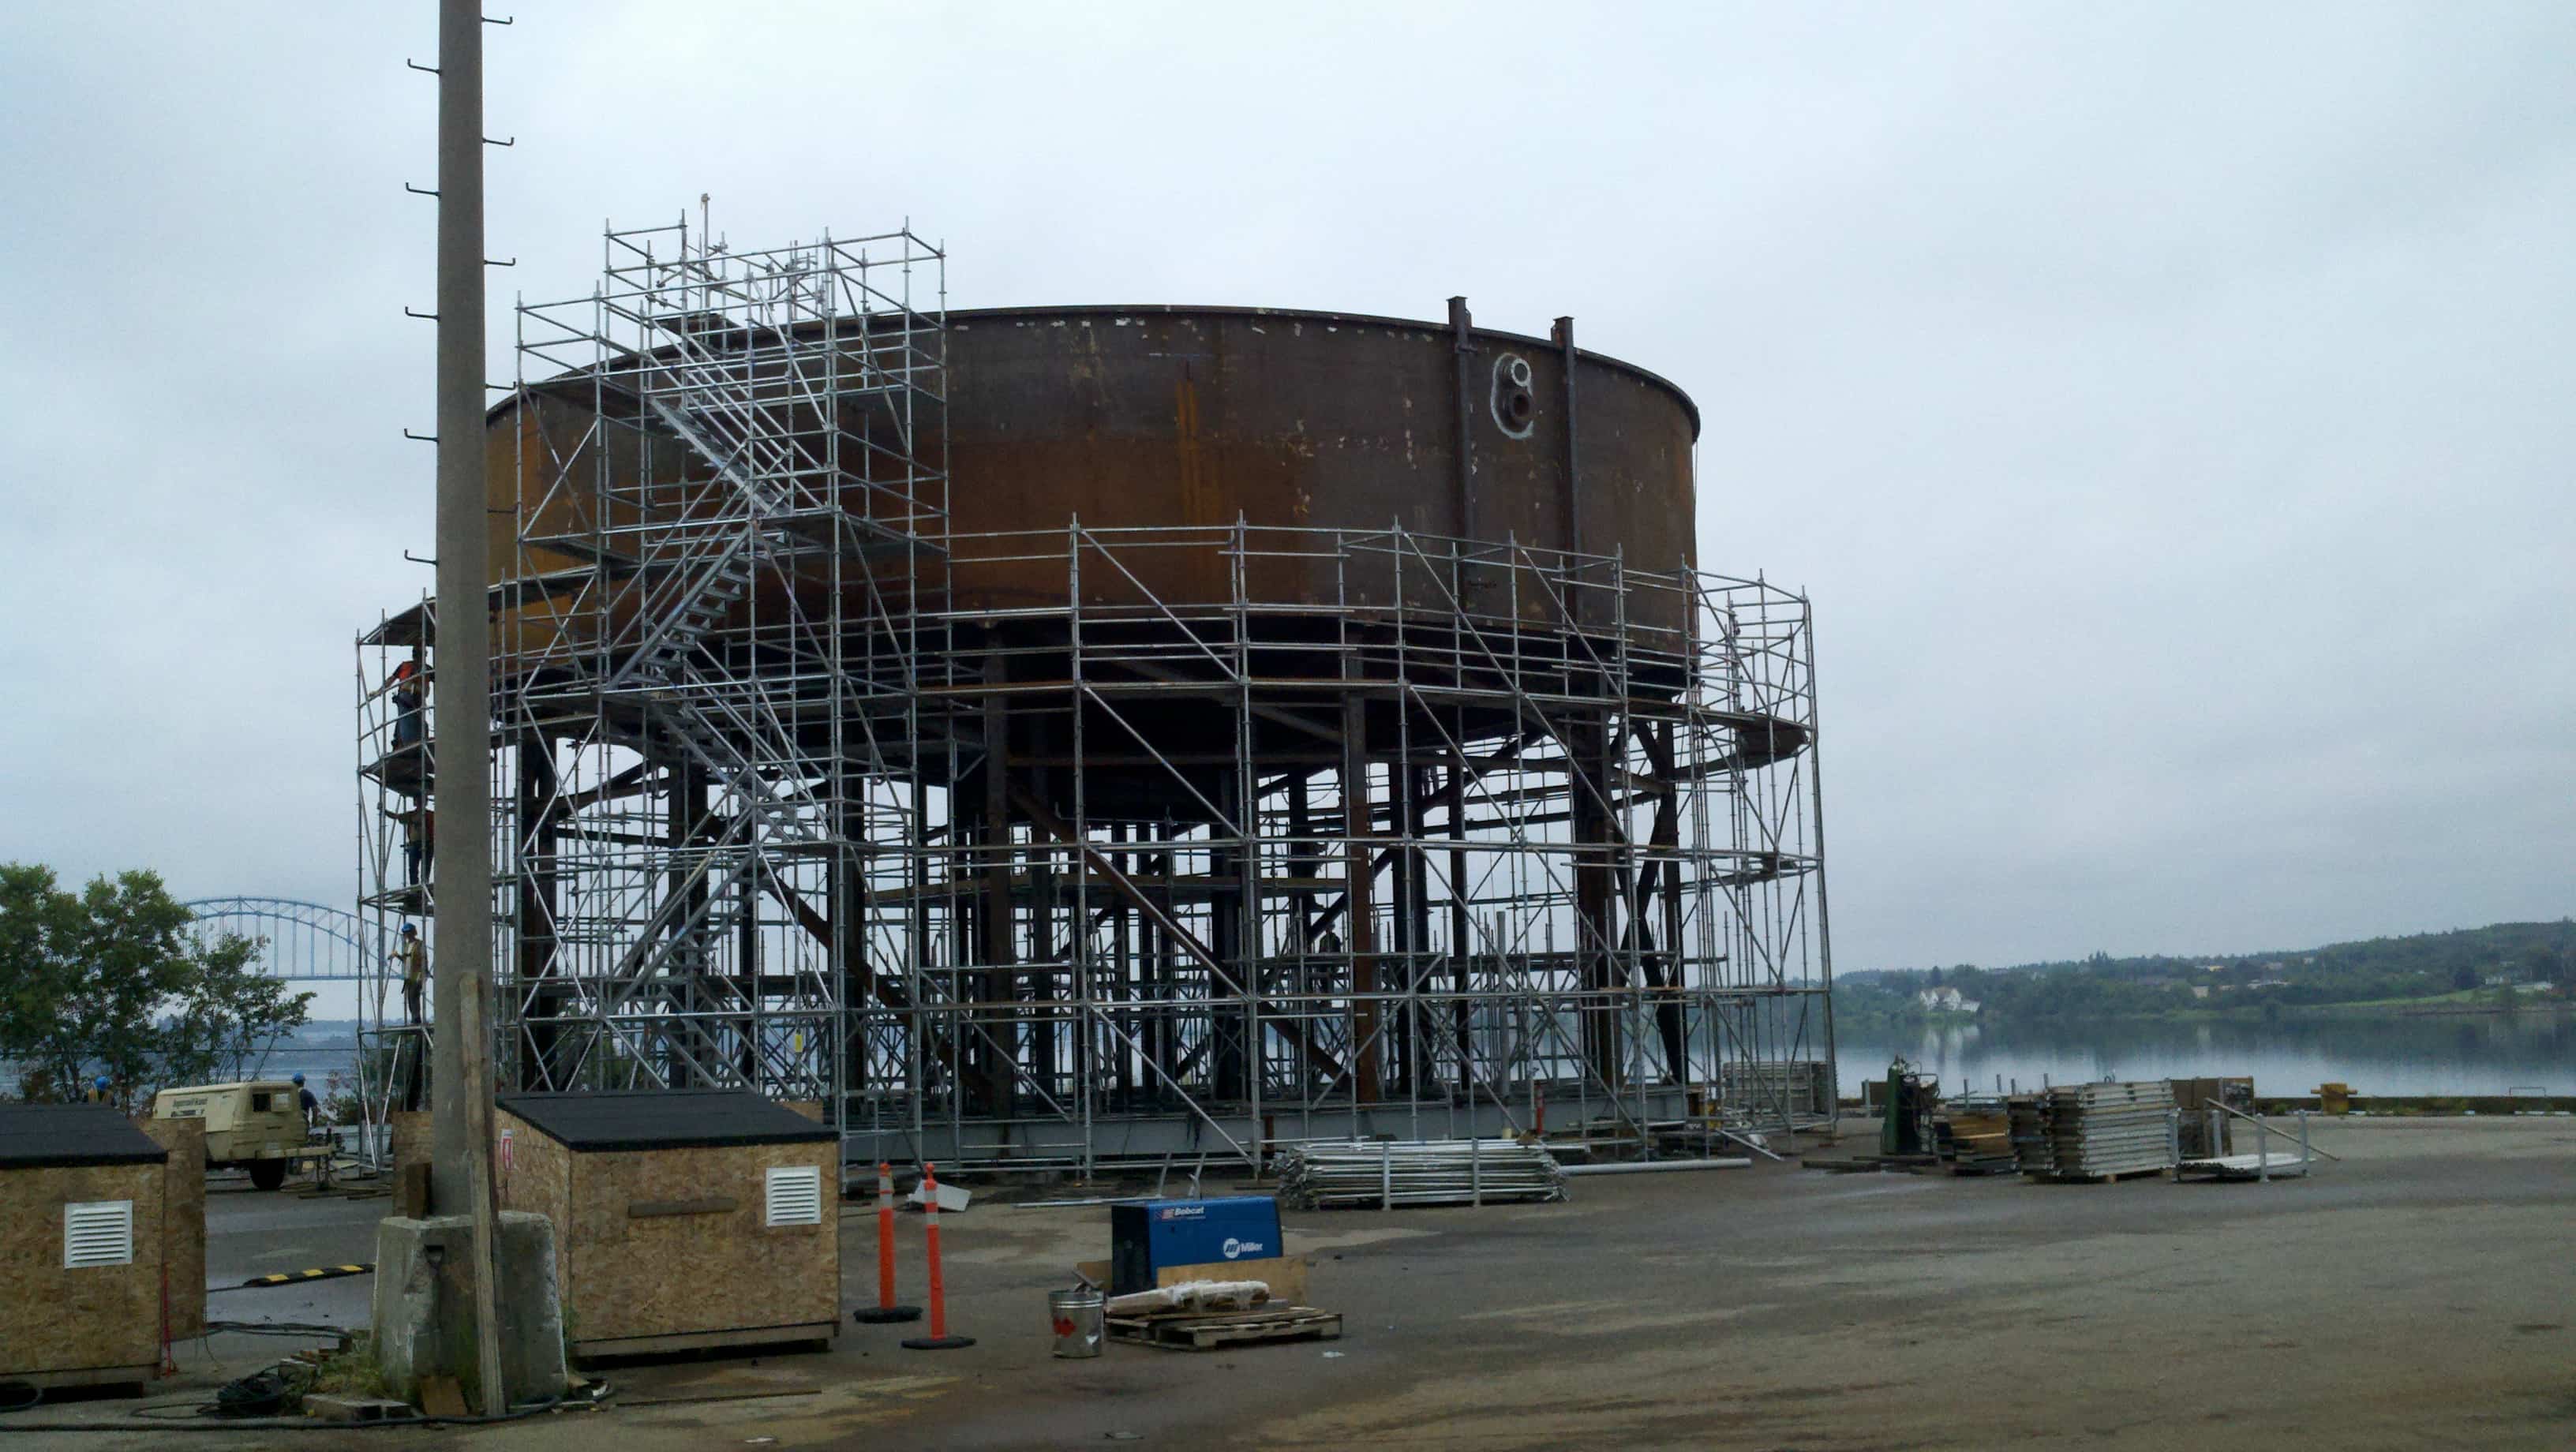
(1327, 481)
(1054, 734)
(1167, 417)
(1146, 417)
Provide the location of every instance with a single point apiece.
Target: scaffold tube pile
(1388, 1173)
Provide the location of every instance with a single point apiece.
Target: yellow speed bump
(317, 1273)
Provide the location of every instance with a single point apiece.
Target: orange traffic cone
(938, 1339)
(885, 1310)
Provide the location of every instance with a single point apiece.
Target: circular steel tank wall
(1144, 417)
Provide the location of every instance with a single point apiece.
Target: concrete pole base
(937, 1343)
(424, 1307)
(885, 1315)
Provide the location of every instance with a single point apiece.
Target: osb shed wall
(53, 1319)
(714, 1271)
(183, 1220)
(539, 1180)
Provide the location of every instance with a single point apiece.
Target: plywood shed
(82, 1255)
(183, 1221)
(684, 1218)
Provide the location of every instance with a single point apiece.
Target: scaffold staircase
(751, 420)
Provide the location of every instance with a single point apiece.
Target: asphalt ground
(2419, 1295)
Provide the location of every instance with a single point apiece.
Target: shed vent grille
(796, 1196)
(98, 1232)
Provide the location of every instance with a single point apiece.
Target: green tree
(228, 1016)
(109, 982)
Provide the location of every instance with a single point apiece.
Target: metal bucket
(1081, 1320)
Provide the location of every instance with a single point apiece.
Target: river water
(2397, 1054)
(2448, 1054)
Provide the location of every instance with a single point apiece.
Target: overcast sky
(2171, 409)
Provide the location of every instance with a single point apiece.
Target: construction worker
(306, 1104)
(99, 1091)
(412, 956)
(420, 842)
(406, 684)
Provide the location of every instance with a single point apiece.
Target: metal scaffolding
(1492, 838)
(396, 822)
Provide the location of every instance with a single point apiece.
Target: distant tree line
(2425, 965)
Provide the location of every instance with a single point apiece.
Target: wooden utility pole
(461, 1083)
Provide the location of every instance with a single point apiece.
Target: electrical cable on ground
(248, 1403)
(290, 1424)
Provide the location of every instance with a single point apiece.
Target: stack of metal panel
(2029, 1136)
(1388, 1173)
(2094, 1131)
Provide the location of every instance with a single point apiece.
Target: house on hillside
(1945, 1000)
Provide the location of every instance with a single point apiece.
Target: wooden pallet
(1218, 1329)
(2242, 1167)
(1862, 1164)
(356, 1409)
(2060, 1177)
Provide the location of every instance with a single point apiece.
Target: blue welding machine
(1145, 1238)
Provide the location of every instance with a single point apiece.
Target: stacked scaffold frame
(1388, 1173)
(2094, 1131)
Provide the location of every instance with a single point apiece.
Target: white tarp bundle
(1193, 1296)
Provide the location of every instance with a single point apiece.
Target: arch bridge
(302, 942)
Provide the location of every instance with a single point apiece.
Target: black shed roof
(36, 1136)
(647, 1119)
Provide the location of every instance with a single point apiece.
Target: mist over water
(2428, 1054)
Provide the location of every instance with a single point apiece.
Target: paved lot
(256, 1233)
(2419, 1296)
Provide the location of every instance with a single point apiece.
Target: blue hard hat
(299, 1079)
(102, 1081)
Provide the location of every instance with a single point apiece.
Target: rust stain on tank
(1186, 419)
(1196, 506)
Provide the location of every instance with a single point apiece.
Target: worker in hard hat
(412, 957)
(406, 684)
(305, 1102)
(100, 1091)
(420, 843)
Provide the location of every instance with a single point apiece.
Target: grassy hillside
(2471, 969)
